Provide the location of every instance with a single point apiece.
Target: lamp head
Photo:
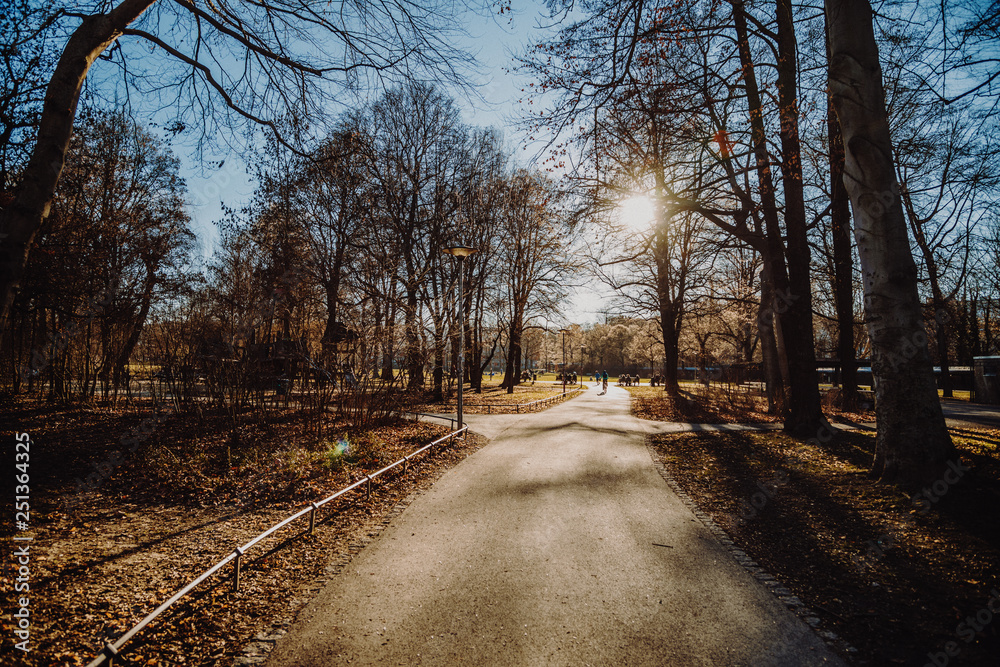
(459, 250)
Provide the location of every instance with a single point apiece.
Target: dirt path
(558, 543)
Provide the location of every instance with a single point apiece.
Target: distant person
(604, 381)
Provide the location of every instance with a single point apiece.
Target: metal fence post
(237, 566)
(312, 518)
(110, 652)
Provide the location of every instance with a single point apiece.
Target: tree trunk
(671, 347)
(944, 360)
(800, 410)
(437, 376)
(912, 443)
(477, 365)
(140, 322)
(512, 374)
(388, 342)
(331, 284)
(414, 355)
(843, 278)
(843, 260)
(671, 302)
(774, 384)
(805, 414)
(21, 220)
(938, 299)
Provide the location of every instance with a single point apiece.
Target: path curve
(556, 544)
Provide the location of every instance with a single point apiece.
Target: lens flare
(637, 212)
(341, 448)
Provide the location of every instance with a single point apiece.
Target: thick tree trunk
(912, 444)
(512, 374)
(670, 301)
(774, 384)
(331, 284)
(805, 414)
(23, 217)
(671, 349)
(331, 336)
(800, 410)
(843, 260)
(843, 274)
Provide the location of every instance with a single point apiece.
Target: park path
(556, 544)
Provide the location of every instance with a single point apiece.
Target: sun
(637, 213)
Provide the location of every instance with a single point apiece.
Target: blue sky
(221, 177)
(492, 40)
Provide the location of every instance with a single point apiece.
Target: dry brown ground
(495, 401)
(894, 579)
(720, 404)
(102, 560)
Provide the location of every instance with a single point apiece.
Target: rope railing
(112, 649)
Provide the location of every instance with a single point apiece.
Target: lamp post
(461, 252)
(564, 332)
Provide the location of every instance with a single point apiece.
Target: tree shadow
(820, 529)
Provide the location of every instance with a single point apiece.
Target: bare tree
(332, 192)
(479, 218)
(533, 259)
(118, 227)
(416, 140)
(26, 55)
(296, 58)
(912, 444)
(694, 53)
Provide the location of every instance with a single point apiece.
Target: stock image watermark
(923, 501)
(966, 631)
(751, 506)
(782, 301)
(21, 557)
(909, 347)
(877, 204)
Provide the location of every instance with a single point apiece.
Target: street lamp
(461, 252)
(564, 332)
